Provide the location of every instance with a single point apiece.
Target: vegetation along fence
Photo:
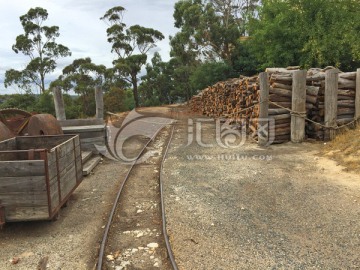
(283, 105)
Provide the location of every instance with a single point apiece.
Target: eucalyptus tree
(131, 46)
(82, 76)
(38, 42)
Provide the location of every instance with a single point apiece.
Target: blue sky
(80, 28)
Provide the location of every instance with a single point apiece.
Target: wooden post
(264, 109)
(59, 104)
(99, 98)
(331, 89)
(298, 106)
(357, 96)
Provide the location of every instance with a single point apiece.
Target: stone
(153, 245)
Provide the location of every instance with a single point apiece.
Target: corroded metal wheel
(15, 119)
(21, 123)
(5, 132)
(43, 124)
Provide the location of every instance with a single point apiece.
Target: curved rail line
(115, 205)
(167, 242)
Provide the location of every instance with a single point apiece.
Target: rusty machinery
(16, 122)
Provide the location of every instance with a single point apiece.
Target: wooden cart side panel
(79, 172)
(40, 142)
(78, 160)
(28, 199)
(62, 171)
(54, 194)
(7, 145)
(21, 168)
(28, 213)
(22, 184)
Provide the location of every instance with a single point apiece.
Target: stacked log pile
(280, 104)
(346, 98)
(196, 103)
(316, 80)
(239, 101)
(232, 99)
(346, 101)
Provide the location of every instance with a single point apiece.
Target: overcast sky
(81, 30)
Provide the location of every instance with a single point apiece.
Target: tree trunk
(135, 90)
(42, 88)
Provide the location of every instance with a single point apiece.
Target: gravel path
(278, 208)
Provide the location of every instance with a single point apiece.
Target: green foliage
(157, 84)
(243, 60)
(118, 100)
(131, 45)
(45, 103)
(209, 73)
(82, 76)
(38, 43)
(308, 33)
(21, 101)
(212, 28)
(72, 108)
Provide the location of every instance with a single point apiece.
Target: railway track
(135, 235)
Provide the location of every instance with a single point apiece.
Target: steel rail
(115, 205)
(166, 237)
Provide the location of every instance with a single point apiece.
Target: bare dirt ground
(281, 207)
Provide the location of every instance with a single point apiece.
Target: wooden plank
(357, 96)
(28, 213)
(83, 129)
(81, 122)
(54, 193)
(92, 134)
(22, 168)
(298, 106)
(30, 198)
(331, 102)
(263, 137)
(90, 165)
(67, 180)
(9, 144)
(22, 184)
(41, 142)
(85, 156)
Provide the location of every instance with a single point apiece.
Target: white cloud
(81, 28)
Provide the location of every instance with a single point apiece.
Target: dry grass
(345, 149)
